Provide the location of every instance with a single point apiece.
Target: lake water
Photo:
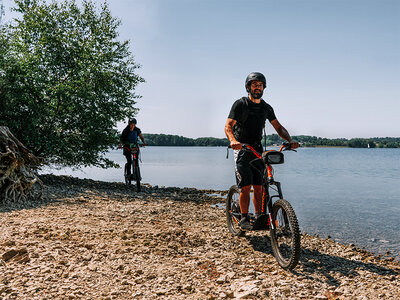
(352, 195)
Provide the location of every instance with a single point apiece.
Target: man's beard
(256, 94)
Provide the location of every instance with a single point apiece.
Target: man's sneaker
(245, 223)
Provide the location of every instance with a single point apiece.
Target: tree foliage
(66, 80)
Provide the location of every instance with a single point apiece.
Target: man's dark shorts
(246, 174)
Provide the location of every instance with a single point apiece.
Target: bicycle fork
(267, 198)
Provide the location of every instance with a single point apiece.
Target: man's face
(256, 89)
(132, 126)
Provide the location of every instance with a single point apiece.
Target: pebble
(100, 240)
(221, 279)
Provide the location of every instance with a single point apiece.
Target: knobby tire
(137, 172)
(127, 177)
(285, 238)
(233, 211)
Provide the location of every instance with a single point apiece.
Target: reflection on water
(351, 195)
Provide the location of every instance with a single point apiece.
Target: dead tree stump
(18, 170)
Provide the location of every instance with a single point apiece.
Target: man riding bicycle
(245, 123)
(128, 137)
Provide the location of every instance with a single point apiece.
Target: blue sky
(332, 67)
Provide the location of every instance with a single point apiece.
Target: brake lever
(289, 150)
(288, 147)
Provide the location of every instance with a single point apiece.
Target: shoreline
(94, 239)
(376, 247)
(276, 146)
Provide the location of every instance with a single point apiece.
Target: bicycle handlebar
(140, 145)
(285, 147)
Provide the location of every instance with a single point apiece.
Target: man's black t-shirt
(250, 119)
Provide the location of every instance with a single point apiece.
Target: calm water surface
(352, 195)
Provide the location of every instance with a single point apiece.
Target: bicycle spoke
(233, 211)
(285, 238)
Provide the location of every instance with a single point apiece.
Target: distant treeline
(313, 141)
(274, 139)
(175, 140)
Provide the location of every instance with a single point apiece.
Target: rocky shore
(99, 240)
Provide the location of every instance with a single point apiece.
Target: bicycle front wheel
(233, 211)
(285, 237)
(138, 178)
(127, 177)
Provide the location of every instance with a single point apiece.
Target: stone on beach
(98, 240)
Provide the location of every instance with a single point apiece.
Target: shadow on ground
(324, 265)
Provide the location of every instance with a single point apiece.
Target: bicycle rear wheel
(285, 238)
(233, 211)
(127, 177)
(138, 178)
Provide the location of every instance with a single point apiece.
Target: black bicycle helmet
(255, 76)
(133, 120)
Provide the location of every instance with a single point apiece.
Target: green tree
(66, 80)
(358, 143)
(371, 143)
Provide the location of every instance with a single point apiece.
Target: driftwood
(18, 178)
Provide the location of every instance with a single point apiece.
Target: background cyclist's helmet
(133, 120)
(255, 76)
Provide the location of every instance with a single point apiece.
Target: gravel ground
(98, 240)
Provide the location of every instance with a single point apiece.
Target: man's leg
(257, 183)
(257, 196)
(243, 180)
(244, 199)
(129, 162)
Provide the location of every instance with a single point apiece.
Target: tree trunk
(18, 166)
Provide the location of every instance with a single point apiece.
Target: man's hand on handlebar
(291, 145)
(294, 144)
(235, 145)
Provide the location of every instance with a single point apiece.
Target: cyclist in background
(130, 136)
(245, 123)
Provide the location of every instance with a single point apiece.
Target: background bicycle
(135, 168)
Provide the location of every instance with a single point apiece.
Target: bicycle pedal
(261, 223)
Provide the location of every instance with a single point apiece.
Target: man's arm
(283, 133)
(121, 139)
(229, 134)
(142, 138)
